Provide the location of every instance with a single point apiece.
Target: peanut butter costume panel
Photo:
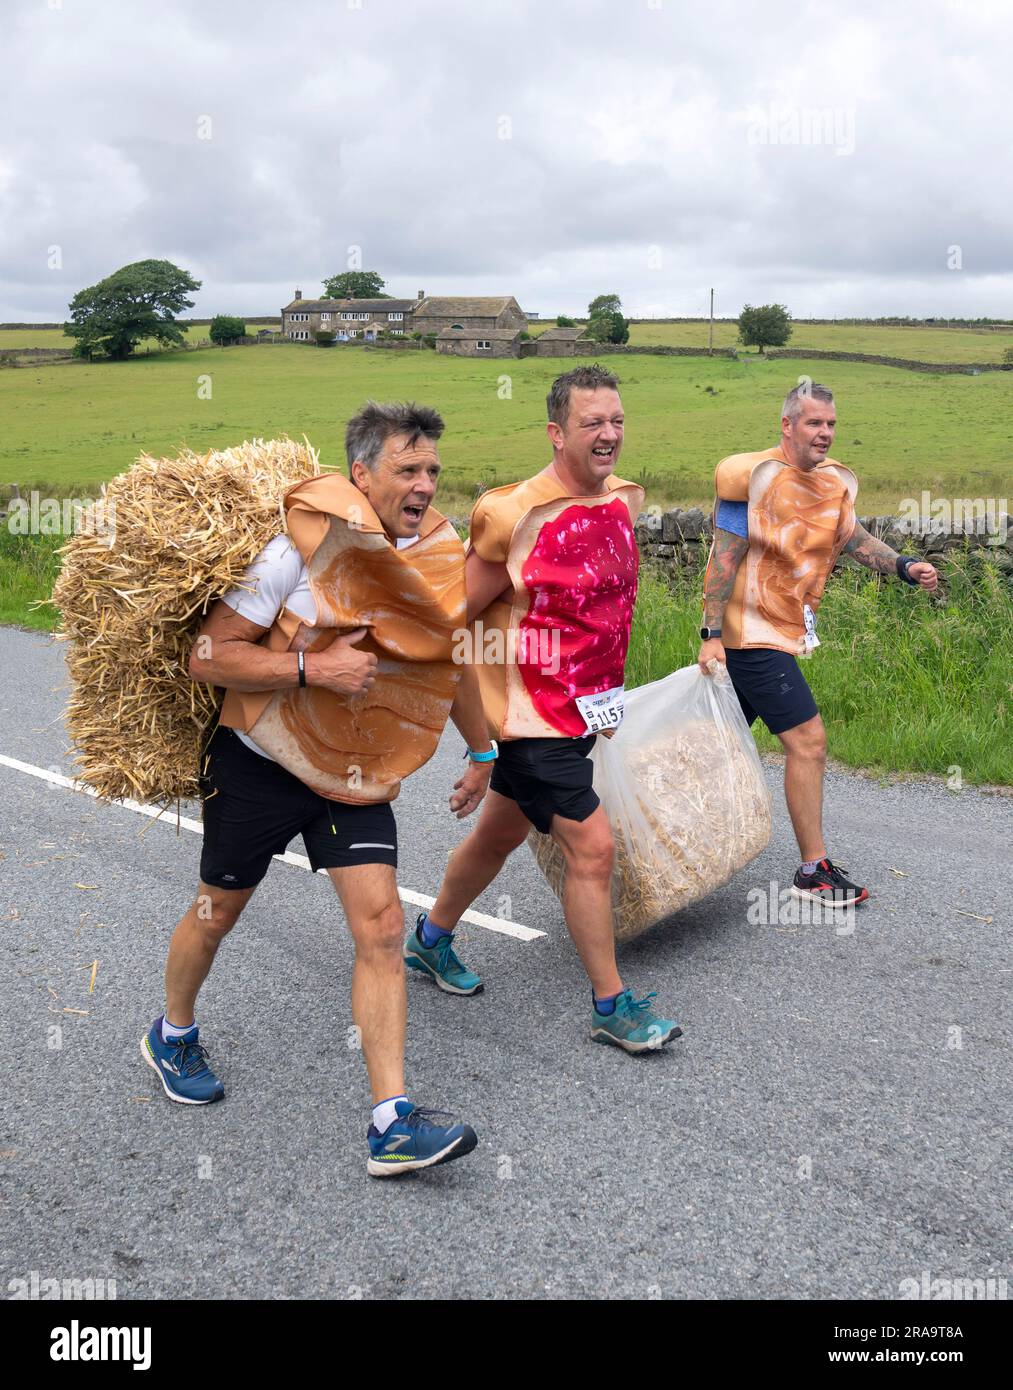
(359, 748)
(562, 629)
(798, 524)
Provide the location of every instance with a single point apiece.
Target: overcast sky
(842, 158)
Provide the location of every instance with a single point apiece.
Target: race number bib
(601, 711)
(811, 640)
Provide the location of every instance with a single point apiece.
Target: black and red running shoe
(827, 884)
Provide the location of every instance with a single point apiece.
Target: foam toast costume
(359, 748)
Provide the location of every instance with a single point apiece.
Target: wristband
(903, 561)
(484, 757)
(302, 668)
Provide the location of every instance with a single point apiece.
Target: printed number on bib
(601, 711)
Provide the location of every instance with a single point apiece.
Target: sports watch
(707, 632)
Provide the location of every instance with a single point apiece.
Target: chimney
(298, 294)
(422, 294)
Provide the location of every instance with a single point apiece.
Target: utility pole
(710, 335)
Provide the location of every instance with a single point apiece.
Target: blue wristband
(484, 757)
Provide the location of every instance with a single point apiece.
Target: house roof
(554, 334)
(499, 335)
(375, 306)
(438, 307)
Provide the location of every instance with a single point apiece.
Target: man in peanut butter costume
(782, 517)
(552, 579)
(337, 657)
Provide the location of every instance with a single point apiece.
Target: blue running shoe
(182, 1066)
(633, 1026)
(414, 1140)
(440, 963)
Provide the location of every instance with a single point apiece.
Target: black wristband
(902, 566)
(302, 668)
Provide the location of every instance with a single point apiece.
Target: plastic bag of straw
(166, 539)
(682, 785)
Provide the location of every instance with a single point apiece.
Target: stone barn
(482, 342)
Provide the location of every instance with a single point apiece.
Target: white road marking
(57, 779)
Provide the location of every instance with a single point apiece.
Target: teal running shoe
(182, 1066)
(416, 1140)
(633, 1026)
(440, 963)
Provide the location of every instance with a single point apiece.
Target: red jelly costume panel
(562, 628)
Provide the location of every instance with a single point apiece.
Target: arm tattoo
(870, 552)
(726, 556)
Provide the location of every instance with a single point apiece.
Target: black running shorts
(547, 777)
(253, 808)
(770, 686)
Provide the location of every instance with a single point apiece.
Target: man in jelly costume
(337, 658)
(781, 519)
(552, 579)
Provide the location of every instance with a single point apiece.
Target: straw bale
(168, 538)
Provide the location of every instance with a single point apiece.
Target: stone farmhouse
(345, 318)
(477, 317)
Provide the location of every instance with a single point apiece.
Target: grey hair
(592, 378)
(794, 401)
(369, 429)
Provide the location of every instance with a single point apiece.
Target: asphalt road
(831, 1124)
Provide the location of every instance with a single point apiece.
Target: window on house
(483, 343)
(325, 318)
(395, 318)
(458, 326)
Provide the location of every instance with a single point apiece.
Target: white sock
(385, 1113)
(170, 1031)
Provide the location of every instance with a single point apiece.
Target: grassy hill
(76, 425)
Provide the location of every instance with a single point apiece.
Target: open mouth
(414, 511)
(603, 451)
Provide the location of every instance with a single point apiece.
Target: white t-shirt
(281, 581)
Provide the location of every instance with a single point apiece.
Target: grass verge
(905, 682)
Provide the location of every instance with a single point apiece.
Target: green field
(74, 426)
(56, 338)
(916, 344)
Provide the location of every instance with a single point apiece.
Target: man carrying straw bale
(336, 656)
(782, 517)
(552, 578)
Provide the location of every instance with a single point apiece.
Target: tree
(136, 302)
(604, 304)
(765, 325)
(563, 321)
(324, 337)
(355, 284)
(605, 322)
(226, 329)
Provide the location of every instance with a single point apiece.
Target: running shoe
(633, 1026)
(440, 963)
(416, 1140)
(827, 884)
(182, 1066)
